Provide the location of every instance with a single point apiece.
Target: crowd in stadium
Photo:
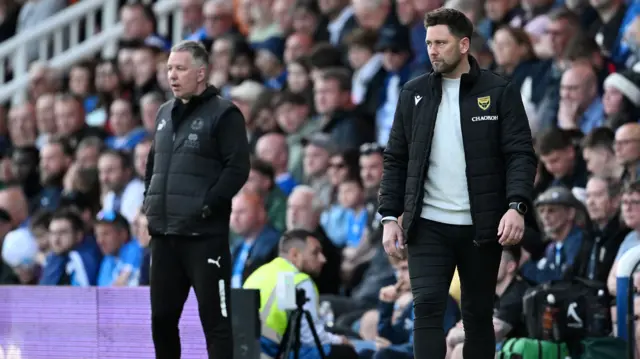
(317, 82)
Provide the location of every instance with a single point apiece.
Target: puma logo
(216, 262)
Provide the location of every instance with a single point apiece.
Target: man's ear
(464, 45)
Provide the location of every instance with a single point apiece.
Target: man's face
(371, 170)
(577, 87)
(110, 238)
(136, 26)
(45, 115)
(144, 61)
(121, 118)
(244, 216)
(112, 175)
(80, 81)
(559, 33)
(125, 64)
(600, 206)
(87, 157)
(350, 195)
(327, 96)
(370, 17)
(598, 160)
(559, 162)
(183, 74)
(106, 77)
(311, 259)
(22, 125)
(290, 117)
(300, 212)
(53, 162)
(140, 155)
(191, 13)
(444, 49)
(631, 210)
(554, 217)
(62, 237)
(296, 46)
(23, 164)
(69, 117)
(149, 111)
(217, 21)
(627, 145)
(315, 160)
(496, 9)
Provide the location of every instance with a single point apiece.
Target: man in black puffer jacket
(199, 160)
(459, 166)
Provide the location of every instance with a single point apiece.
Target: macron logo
(216, 262)
(417, 99)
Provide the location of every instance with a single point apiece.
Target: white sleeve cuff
(388, 219)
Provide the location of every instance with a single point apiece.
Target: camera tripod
(291, 338)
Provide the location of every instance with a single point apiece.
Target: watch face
(522, 208)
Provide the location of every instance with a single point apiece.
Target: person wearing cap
(459, 168)
(558, 210)
(122, 259)
(395, 47)
(198, 162)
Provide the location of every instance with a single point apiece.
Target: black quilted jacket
(501, 163)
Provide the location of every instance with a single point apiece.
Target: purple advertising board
(86, 323)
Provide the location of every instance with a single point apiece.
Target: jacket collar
(467, 79)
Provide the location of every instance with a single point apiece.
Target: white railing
(58, 40)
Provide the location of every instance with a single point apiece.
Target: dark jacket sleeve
(231, 136)
(396, 160)
(148, 172)
(517, 147)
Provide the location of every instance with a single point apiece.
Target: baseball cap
(557, 195)
(320, 139)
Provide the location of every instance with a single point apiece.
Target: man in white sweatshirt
(459, 167)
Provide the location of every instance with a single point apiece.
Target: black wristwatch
(521, 207)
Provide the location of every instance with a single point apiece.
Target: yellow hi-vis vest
(274, 320)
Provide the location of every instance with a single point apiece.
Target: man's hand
(567, 115)
(511, 228)
(393, 239)
(389, 294)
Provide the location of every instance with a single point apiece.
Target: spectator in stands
(598, 250)
(411, 14)
(272, 148)
(368, 75)
(371, 174)
(300, 253)
(557, 209)
(140, 157)
(631, 217)
(303, 212)
(606, 28)
(244, 96)
(584, 49)
(332, 97)
(561, 160)
(45, 119)
(21, 123)
(70, 120)
(514, 54)
(597, 151)
(262, 181)
(291, 111)
(125, 64)
(322, 57)
(75, 257)
(24, 166)
(81, 83)
(507, 318)
(580, 105)
(373, 15)
(340, 20)
(39, 227)
(55, 159)
(283, 14)
(256, 243)
(33, 13)
(140, 23)
(88, 152)
(500, 13)
(122, 254)
(318, 148)
(270, 62)
(19, 251)
(621, 100)
(42, 79)
(124, 192)
(149, 106)
(141, 234)
(192, 16)
(627, 150)
(308, 19)
(298, 44)
(126, 131)
(144, 77)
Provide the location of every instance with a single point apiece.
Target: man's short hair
(601, 137)
(71, 216)
(339, 74)
(553, 140)
(632, 187)
(125, 158)
(40, 219)
(325, 55)
(581, 47)
(514, 253)
(459, 25)
(295, 238)
(196, 49)
(68, 96)
(64, 146)
(362, 38)
(152, 97)
(264, 168)
(91, 141)
(614, 187)
(563, 13)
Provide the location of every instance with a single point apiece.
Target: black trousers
(177, 264)
(435, 249)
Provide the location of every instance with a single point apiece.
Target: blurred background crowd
(317, 82)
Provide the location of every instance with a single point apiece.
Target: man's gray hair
(152, 97)
(316, 204)
(196, 49)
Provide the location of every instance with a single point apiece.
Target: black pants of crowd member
(435, 249)
(177, 264)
